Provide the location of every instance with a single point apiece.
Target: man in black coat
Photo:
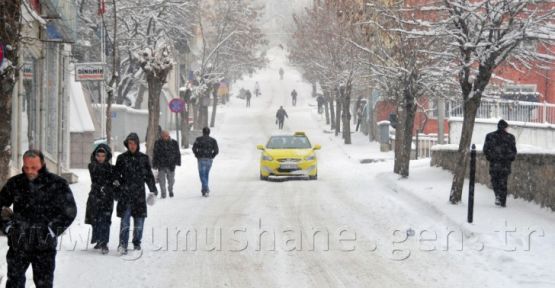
(133, 171)
(205, 149)
(280, 117)
(166, 157)
(43, 208)
(500, 151)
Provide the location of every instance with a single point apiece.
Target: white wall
(538, 135)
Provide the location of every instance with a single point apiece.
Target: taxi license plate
(288, 166)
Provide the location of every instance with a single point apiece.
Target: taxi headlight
(267, 158)
(310, 158)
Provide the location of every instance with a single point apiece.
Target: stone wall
(532, 177)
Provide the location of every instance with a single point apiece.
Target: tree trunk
(154, 91)
(398, 140)
(140, 95)
(470, 110)
(6, 90)
(185, 127)
(347, 113)
(215, 104)
(403, 134)
(204, 109)
(332, 111)
(313, 89)
(406, 144)
(337, 115)
(196, 115)
(326, 108)
(10, 15)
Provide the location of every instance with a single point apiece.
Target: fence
(530, 112)
(421, 146)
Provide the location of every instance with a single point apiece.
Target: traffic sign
(177, 105)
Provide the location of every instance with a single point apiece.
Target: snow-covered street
(358, 225)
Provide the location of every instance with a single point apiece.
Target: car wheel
(315, 177)
(262, 177)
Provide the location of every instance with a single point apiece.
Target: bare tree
(10, 37)
(231, 40)
(400, 65)
(482, 36)
(320, 46)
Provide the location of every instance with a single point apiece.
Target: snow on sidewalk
(517, 240)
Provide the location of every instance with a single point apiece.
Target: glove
(151, 199)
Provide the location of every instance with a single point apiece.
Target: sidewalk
(517, 240)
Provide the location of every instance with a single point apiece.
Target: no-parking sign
(177, 105)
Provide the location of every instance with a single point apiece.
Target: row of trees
(147, 38)
(414, 51)
(144, 39)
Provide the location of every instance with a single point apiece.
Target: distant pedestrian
(320, 100)
(248, 97)
(359, 116)
(294, 97)
(256, 89)
(281, 72)
(43, 208)
(500, 151)
(100, 203)
(165, 157)
(205, 149)
(133, 172)
(281, 114)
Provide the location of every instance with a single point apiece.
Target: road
(252, 233)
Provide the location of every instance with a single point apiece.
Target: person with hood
(280, 117)
(100, 203)
(500, 151)
(133, 172)
(43, 208)
(205, 149)
(166, 157)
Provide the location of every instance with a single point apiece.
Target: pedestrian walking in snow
(248, 97)
(256, 89)
(205, 149)
(320, 100)
(100, 203)
(294, 97)
(500, 151)
(281, 72)
(166, 157)
(359, 116)
(43, 208)
(133, 172)
(281, 114)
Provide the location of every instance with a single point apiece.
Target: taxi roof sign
(298, 133)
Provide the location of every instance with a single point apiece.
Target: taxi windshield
(288, 142)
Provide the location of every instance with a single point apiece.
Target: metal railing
(511, 110)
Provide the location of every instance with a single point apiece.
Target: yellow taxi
(288, 155)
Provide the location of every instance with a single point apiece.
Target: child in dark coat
(100, 203)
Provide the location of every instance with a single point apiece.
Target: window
(523, 92)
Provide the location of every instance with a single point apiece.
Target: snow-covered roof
(80, 119)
